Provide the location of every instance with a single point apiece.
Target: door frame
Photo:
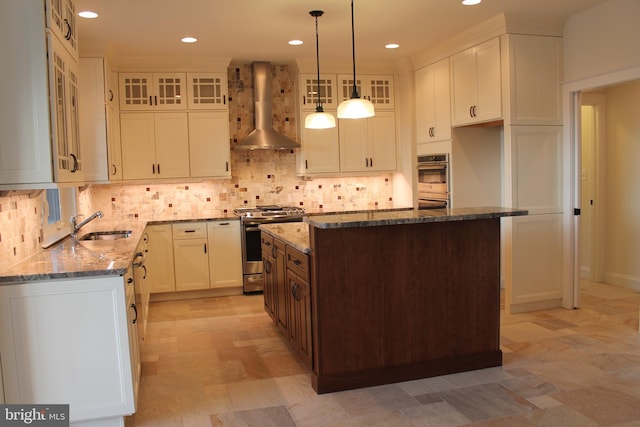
(571, 100)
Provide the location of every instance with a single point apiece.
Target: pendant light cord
(319, 108)
(354, 93)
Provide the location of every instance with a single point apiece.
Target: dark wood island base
(402, 301)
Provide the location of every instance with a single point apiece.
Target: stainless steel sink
(106, 235)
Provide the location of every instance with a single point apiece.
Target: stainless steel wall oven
(433, 181)
(250, 219)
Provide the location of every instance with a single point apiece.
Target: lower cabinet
(195, 255)
(225, 254)
(287, 293)
(159, 258)
(67, 341)
(190, 256)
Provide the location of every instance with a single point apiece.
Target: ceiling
(251, 30)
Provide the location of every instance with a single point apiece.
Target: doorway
(607, 155)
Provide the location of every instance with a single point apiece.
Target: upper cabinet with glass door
(152, 91)
(207, 91)
(65, 129)
(377, 89)
(61, 20)
(309, 91)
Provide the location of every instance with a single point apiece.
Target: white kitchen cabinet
(309, 91)
(61, 20)
(63, 87)
(320, 149)
(209, 145)
(152, 91)
(99, 127)
(368, 145)
(132, 320)
(476, 91)
(376, 88)
(190, 256)
(159, 258)
(433, 103)
(225, 254)
(67, 341)
(535, 76)
(154, 145)
(207, 91)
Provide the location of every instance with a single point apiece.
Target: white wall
(622, 211)
(602, 39)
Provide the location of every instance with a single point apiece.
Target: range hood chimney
(263, 137)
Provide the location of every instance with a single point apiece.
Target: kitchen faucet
(77, 227)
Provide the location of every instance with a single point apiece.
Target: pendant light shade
(319, 119)
(355, 107)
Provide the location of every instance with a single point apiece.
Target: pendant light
(319, 119)
(355, 107)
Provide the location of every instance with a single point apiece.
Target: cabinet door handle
(150, 100)
(371, 162)
(155, 100)
(306, 164)
(226, 166)
(205, 248)
(189, 231)
(158, 168)
(366, 162)
(304, 100)
(274, 252)
(267, 266)
(135, 310)
(67, 36)
(293, 291)
(471, 111)
(153, 168)
(114, 169)
(224, 99)
(110, 97)
(74, 168)
(223, 223)
(297, 262)
(145, 272)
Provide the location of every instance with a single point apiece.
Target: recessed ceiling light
(189, 39)
(295, 42)
(470, 2)
(87, 14)
(392, 45)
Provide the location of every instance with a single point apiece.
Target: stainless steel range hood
(263, 137)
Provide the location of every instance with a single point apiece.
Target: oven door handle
(251, 228)
(431, 166)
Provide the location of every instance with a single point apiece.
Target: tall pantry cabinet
(40, 141)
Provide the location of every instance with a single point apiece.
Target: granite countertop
(89, 258)
(413, 216)
(295, 234)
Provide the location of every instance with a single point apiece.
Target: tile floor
(221, 362)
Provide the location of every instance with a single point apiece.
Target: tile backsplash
(20, 227)
(258, 177)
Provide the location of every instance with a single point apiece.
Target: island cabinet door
(300, 316)
(281, 287)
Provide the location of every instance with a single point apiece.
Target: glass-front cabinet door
(64, 113)
(207, 91)
(377, 89)
(309, 91)
(149, 91)
(61, 20)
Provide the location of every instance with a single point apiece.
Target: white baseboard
(631, 282)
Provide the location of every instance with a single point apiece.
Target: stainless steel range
(250, 218)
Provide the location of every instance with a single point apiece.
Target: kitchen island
(401, 295)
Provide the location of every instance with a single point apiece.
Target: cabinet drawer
(297, 262)
(266, 241)
(190, 230)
